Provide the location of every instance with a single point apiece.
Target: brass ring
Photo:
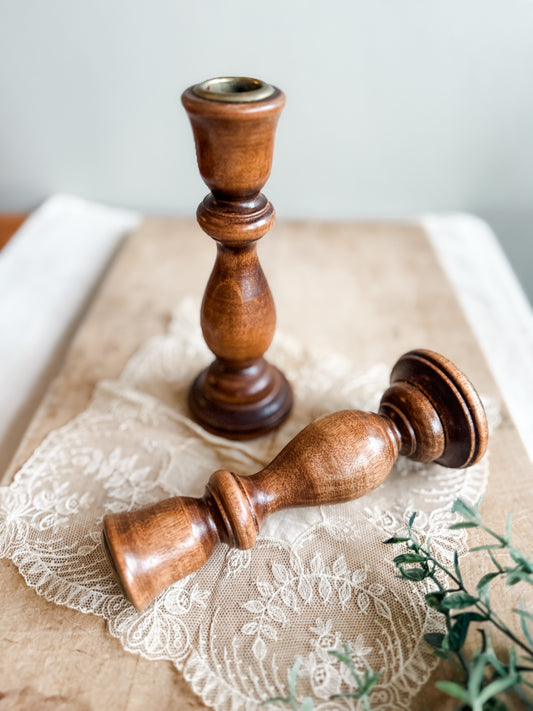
(234, 89)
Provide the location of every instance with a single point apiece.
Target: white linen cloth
(495, 305)
(48, 271)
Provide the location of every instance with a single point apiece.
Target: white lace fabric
(317, 577)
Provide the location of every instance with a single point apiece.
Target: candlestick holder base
(240, 403)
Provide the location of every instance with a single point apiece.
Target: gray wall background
(395, 107)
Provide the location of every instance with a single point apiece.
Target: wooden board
(371, 291)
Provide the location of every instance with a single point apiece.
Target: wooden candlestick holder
(430, 412)
(240, 395)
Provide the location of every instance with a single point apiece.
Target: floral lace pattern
(317, 577)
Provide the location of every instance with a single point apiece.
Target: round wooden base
(453, 398)
(240, 403)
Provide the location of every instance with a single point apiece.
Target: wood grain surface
(378, 291)
(430, 412)
(240, 395)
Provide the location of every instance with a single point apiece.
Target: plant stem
(480, 605)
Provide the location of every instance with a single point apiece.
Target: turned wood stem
(234, 121)
(430, 412)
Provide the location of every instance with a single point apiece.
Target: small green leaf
(493, 659)
(521, 560)
(465, 510)
(483, 584)
(517, 576)
(307, 704)
(414, 574)
(293, 676)
(485, 640)
(472, 616)
(463, 524)
(496, 687)
(458, 601)
(512, 660)
(276, 699)
(397, 539)
(434, 639)
(434, 599)
(456, 567)
(409, 558)
(493, 559)
(488, 547)
(458, 632)
(369, 682)
(525, 615)
(453, 689)
(476, 672)
(411, 521)
(340, 656)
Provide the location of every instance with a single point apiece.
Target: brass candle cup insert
(234, 89)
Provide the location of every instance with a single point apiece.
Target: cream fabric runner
(317, 578)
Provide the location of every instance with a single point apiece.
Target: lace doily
(317, 577)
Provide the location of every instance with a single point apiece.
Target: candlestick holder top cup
(240, 395)
(430, 412)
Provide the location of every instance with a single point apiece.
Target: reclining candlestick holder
(234, 120)
(430, 412)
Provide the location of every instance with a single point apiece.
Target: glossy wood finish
(240, 395)
(429, 412)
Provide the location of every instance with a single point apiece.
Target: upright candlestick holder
(240, 395)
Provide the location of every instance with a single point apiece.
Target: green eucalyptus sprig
(363, 684)
(483, 676)
(291, 700)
